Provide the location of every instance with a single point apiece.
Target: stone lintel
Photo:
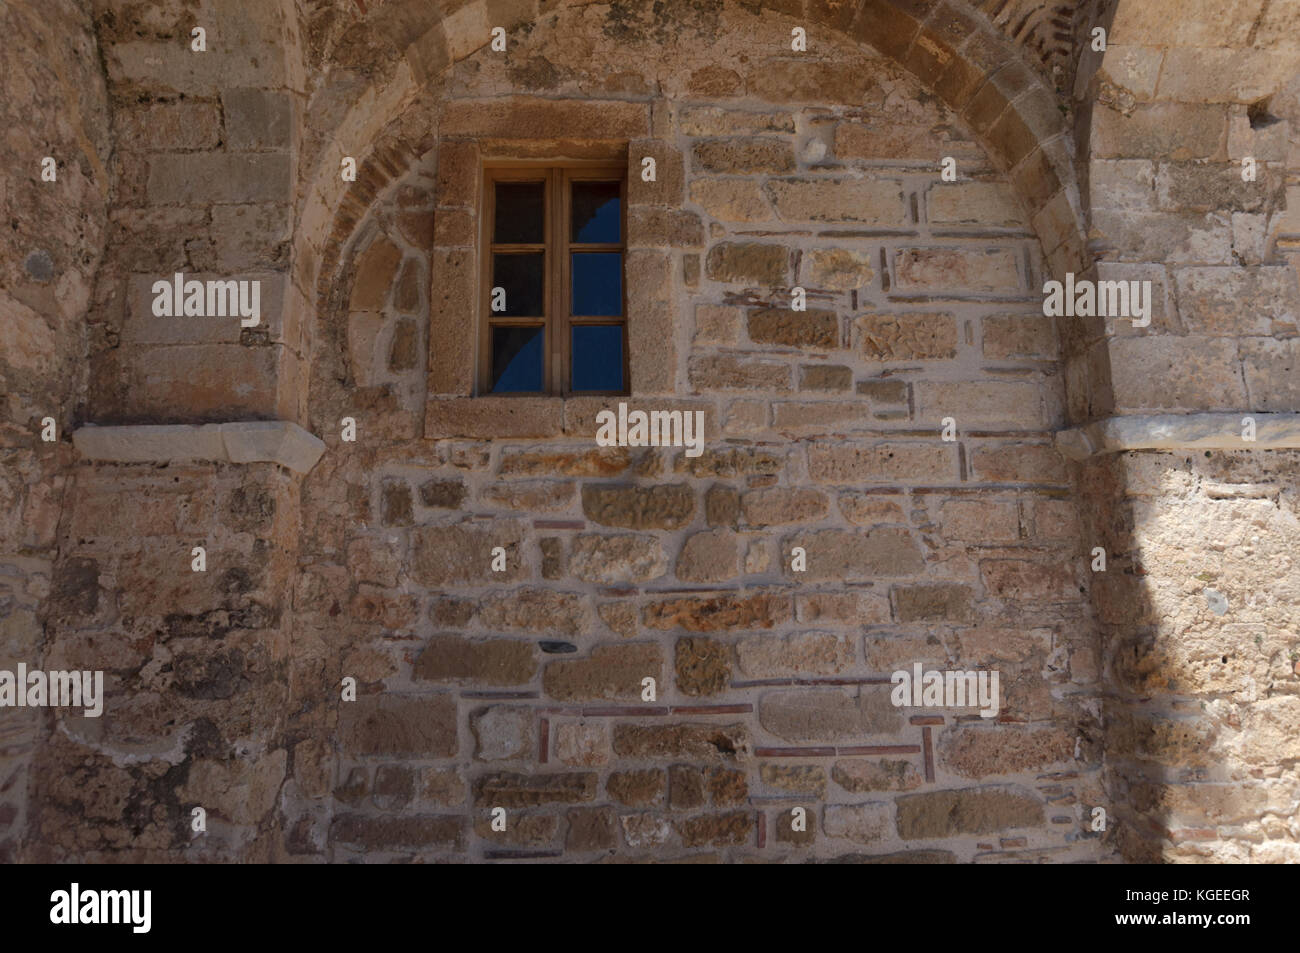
(1218, 431)
(248, 441)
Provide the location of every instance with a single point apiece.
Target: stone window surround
(453, 409)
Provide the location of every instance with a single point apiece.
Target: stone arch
(408, 504)
(971, 66)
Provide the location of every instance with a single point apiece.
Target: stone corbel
(250, 441)
(1274, 431)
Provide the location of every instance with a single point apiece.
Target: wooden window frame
(557, 323)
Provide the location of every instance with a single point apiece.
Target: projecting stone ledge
(251, 441)
(1180, 432)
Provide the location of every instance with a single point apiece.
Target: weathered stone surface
(639, 788)
(444, 494)
(602, 461)
(934, 269)
(861, 823)
(814, 715)
(855, 555)
(795, 778)
(802, 329)
(484, 661)
(859, 777)
(636, 507)
(734, 461)
(857, 201)
(522, 790)
(725, 372)
(906, 337)
(502, 733)
(396, 833)
(1019, 336)
(530, 495)
(825, 377)
(971, 203)
(967, 811)
(941, 601)
(709, 557)
(892, 462)
(692, 741)
(778, 505)
(731, 200)
(462, 553)
(581, 744)
(623, 558)
(808, 653)
(761, 610)
(644, 830)
(412, 725)
(839, 269)
(1009, 749)
(611, 671)
(750, 263)
(744, 155)
(534, 610)
(590, 829)
(718, 830)
(703, 666)
(786, 832)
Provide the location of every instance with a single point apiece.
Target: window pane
(597, 284)
(520, 212)
(516, 359)
(596, 212)
(598, 357)
(522, 278)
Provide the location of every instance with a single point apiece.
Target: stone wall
(523, 689)
(52, 104)
(1198, 606)
(1162, 689)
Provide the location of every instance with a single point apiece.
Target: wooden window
(554, 314)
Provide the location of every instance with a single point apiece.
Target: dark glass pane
(597, 284)
(520, 213)
(516, 359)
(598, 357)
(522, 278)
(595, 212)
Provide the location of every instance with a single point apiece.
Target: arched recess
(953, 50)
(405, 497)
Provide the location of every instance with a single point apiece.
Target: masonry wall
(52, 104)
(1198, 605)
(523, 689)
(1162, 689)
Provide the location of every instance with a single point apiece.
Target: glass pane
(596, 212)
(521, 277)
(598, 357)
(516, 359)
(597, 284)
(520, 213)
